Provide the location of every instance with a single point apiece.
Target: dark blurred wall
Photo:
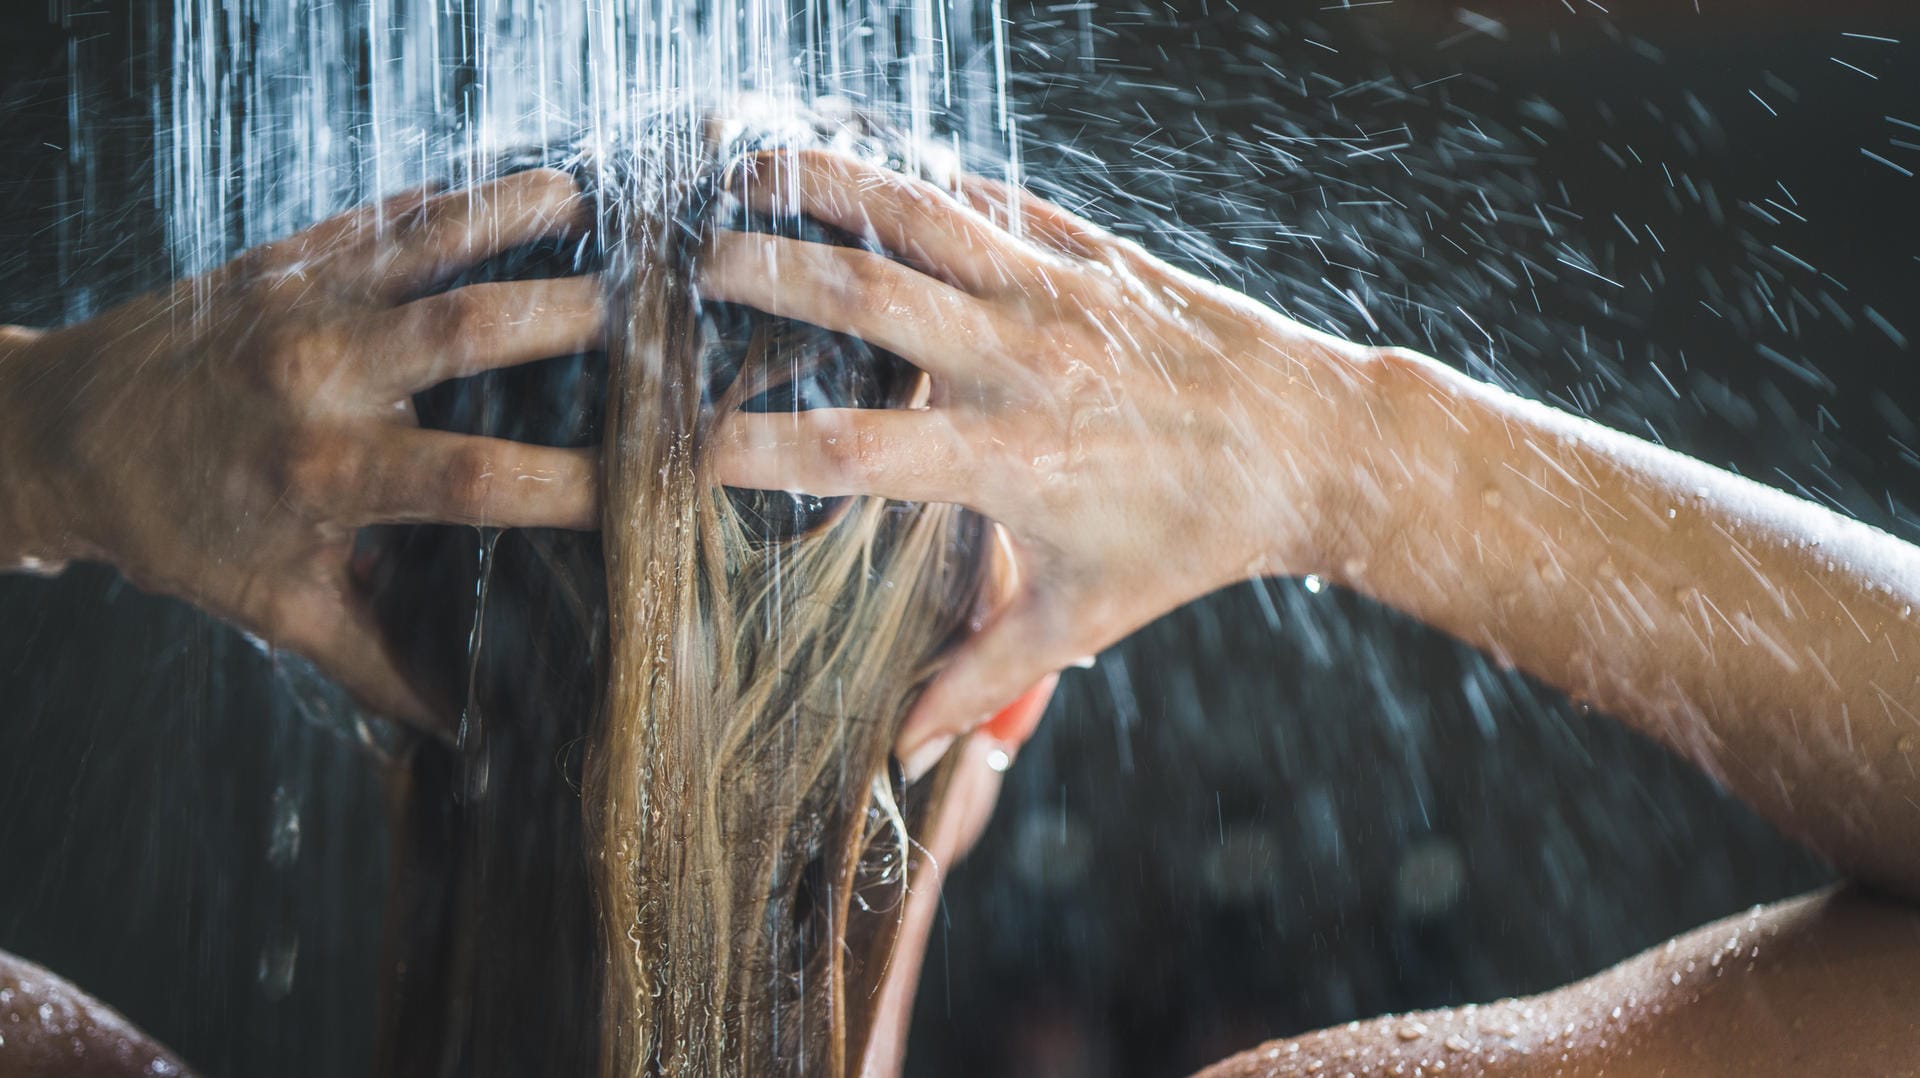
(1275, 810)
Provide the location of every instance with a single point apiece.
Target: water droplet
(1456, 1043)
(283, 840)
(1431, 877)
(277, 962)
(1410, 1031)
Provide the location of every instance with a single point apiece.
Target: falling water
(276, 114)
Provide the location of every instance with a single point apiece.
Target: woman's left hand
(1141, 436)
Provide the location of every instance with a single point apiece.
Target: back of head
(674, 817)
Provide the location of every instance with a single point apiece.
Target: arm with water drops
(1143, 437)
(1771, 641)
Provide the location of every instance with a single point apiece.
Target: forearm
(1769, 640)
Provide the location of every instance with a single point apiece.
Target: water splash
(276, 115)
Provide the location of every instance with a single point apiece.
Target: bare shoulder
(48, 1026)
(1824, 984)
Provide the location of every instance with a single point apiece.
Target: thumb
(989, 671)
(339, 634)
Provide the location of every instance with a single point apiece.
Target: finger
(427, 476)
(364, 221)
(331, 239)
(906, 454)
(455, 230)
(483, 327)
(987, 672)
(932, 325)
(904, 214)
(337, 632)
(1023, 212)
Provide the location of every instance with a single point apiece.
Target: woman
(1082, 392)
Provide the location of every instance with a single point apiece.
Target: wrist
(1393, 471)
(1335, 451)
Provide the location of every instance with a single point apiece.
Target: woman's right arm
(1145, 437)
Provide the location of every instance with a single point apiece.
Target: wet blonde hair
(746, 837)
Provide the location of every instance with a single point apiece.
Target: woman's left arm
(1145, 437)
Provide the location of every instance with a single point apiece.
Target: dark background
(1275, 810)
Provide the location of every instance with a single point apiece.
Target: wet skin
(49, 1027)
(1819, 985)
(1105, 408)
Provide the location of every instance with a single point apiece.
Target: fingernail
(921, 760)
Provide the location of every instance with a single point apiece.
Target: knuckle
(258, 263)
(470, 480)
(819, 160)
(319, 470)
(852, 456)
(551, 183)
(458, 316)
(872, 281)
(297, 360)
(549, 189)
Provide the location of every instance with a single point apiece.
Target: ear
(1016, 722)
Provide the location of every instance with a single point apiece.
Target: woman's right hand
(1141, 436)
(222, 440)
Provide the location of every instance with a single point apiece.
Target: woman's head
(712, 686)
